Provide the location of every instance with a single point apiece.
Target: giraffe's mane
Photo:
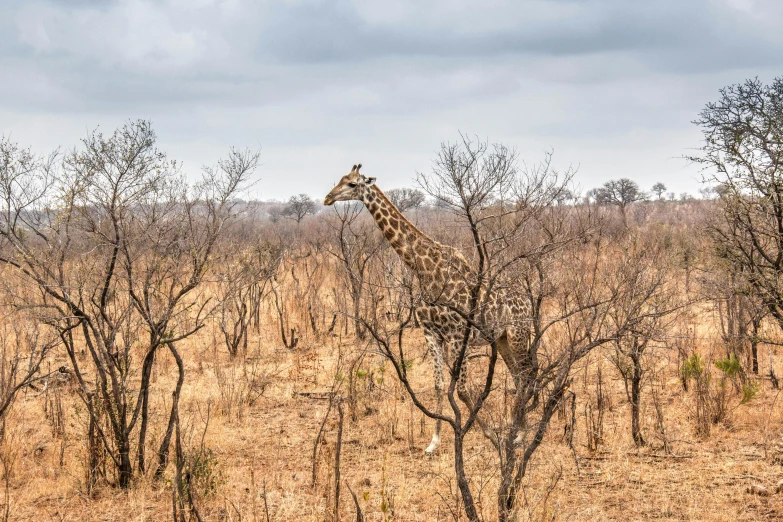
(379, 193)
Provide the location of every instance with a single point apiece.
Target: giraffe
(445, 279)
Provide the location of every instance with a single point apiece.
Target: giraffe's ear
(369, 181)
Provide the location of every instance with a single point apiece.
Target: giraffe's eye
(352, 185)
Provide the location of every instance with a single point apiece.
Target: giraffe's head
(351, 187)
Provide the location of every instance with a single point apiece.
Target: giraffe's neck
(408, 241)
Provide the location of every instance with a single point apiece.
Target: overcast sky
(610, 86)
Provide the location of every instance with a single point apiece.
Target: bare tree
(740, 310)
(116, 243)
(742, 153)
(521, 232)
(406, 198)
(244, 279)
(23, 348)
(356, 246)
(299, 207)
(658, 189)
(576, 284)
(620, 193)
(648, 310)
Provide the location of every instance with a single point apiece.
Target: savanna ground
(254, 420)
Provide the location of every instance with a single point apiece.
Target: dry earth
(262, 449)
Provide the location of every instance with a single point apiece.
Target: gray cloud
(333, 32)
(603, 81)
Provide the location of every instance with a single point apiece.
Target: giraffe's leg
(462, 385)
(514, 346)
(437, 362)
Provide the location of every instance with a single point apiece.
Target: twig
(359, 514)
(318, 440)
(337, 460)
(317, 395)
(266, 505)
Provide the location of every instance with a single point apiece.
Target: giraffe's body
(445, 278)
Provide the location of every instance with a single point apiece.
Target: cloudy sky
(610, 86)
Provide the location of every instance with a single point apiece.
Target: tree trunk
(163, 452)
(125, 469)
(144, 392)
(338, 447)
(754, 347)
(754, 355)
(508, 464)
(356, 296)
(281, 318)
(546, 415)
(636, 392)
(93, 448)
(462, 480)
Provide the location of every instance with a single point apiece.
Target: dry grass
(265, 410)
